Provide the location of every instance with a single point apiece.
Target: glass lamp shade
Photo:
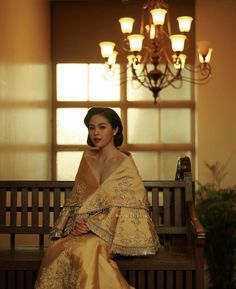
(184, 23)
(158, 16)
(135, 42)
(177, 42)
(107, 48)
(207, 58)
(203, 47)
(134, 60)
(112, 59)
(126, 24)
(179, 61)
(130, 59)
(151, 30)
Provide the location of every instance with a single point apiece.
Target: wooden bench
(29, 208)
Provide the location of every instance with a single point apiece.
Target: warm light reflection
(72, 82)
(82, 82)
(70, 161)
(70, 126)
(100, 88)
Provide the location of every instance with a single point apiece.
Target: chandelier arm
(125, 44)
(141, 79)
(198, 81)
(174, 77)
(201, 68)
(142, 24)
(147, 79)
(147, 53)
(168, 25)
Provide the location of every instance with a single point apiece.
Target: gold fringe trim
(135, 251)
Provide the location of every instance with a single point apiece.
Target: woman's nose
(95, 131)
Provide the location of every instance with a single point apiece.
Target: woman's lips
(96, 140)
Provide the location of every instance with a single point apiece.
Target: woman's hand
(80, 227)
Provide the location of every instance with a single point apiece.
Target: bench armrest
(195, 224)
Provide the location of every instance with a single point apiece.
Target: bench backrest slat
(35, 205)
(24, 205)
(13, 207)
(57, 203)
(2, 206)
(167, 208)
(155, 206)
(46, 201)
(177, 207)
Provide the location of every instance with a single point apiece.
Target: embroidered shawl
(116, 210)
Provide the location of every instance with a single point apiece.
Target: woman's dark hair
(112, 117)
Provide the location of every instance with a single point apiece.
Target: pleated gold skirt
(82, 262)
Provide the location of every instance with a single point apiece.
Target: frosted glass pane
(168, 164)
(67, 165)
(136, 92)
(24, 126)
(72, 82)
(102, 85)
(25, 81)
(142, 126)
(175, 125)
(181, 93)
(35, 160)
(147, 164)
(70, 126)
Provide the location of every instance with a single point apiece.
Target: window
(156, 135)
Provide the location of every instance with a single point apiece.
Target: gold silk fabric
(117, 214)
(81, 262)
(117, 210)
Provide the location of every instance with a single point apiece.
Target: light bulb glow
(177, 42)
(207, 58)
(135, 42)
(112, 59)
(185, 23)
(126, 24)
(158, 16)
(107, 48)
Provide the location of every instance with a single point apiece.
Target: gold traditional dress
(117, 214)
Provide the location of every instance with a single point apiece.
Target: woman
(106, 213)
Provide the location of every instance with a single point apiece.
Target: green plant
(216, 208)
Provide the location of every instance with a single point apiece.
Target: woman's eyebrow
(101, 123)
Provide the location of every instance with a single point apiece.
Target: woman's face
(100, 131)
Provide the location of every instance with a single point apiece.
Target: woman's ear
(115, 131)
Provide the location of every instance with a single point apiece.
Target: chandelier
(155, 56)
